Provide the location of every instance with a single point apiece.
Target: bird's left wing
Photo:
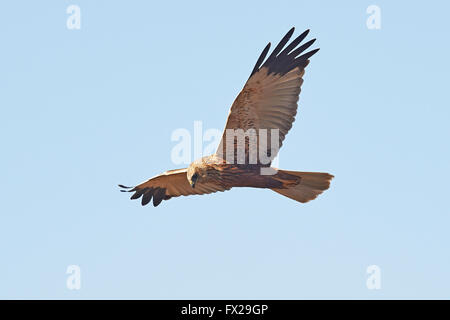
(269, 98)
(172, 183)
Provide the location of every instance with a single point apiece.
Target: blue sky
(83, 110)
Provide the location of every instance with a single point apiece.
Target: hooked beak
(194, 179)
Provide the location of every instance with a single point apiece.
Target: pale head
(197, 172)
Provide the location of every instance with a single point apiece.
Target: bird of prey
(268, 101)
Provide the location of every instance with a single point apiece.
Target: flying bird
(268, 102)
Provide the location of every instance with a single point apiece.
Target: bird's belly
(238, 176)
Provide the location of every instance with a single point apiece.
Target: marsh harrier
(268, 104)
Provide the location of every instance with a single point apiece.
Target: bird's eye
(194, 177)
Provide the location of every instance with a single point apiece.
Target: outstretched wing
(269, 98)
(172, 183)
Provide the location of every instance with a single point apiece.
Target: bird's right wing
(172, 183)
(269, 98)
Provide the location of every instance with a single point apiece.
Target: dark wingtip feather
(261, 58)
(147, 197)
(138, 194)
(279, 46)
(124, 187)
(302, 48)
(158, 196)
(294, 43)
(309, 54)
(281, 62)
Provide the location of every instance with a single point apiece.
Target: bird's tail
(310, 186)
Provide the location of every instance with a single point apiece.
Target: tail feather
(310, 186)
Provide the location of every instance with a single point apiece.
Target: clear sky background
(83, 110)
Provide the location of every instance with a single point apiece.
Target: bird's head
(195, 173)
(193, 179)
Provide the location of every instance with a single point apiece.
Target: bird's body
(260, 117)
(213, 169)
